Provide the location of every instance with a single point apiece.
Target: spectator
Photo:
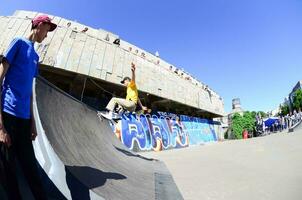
(295, 115)
(84, 30)
(107, 38)
(117, 41)
(292, 120)
(287, 121)
(282, 123)
(263, 127)
(17, 123)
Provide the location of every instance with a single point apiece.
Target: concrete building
(288, 101)
(236, 106)
(89, 63)
(292, 94)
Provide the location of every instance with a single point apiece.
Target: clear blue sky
(247, 49)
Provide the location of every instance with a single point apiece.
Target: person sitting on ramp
(131, 100)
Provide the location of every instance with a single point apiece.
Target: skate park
(155, 155)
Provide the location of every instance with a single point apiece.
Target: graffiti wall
(160, 132)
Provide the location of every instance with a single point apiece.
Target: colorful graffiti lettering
(160, 132)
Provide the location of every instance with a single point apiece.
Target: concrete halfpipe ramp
(82, 159)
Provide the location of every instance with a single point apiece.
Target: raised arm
(133, 72)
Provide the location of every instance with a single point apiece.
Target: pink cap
(44, 19)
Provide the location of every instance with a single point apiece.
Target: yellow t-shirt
(132, 93)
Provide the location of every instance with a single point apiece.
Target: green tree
(254, 113)
(297, 103)
(244, 122)
(263, 114)
(249, 121)
(284, 109)
(237, 126)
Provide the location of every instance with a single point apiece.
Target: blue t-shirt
(17, 84)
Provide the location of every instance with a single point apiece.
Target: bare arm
(33, 122)
(141, 105)
(133, 79)
(133, 72)
(4, 137)
(139, 102)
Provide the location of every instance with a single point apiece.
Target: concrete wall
(93, 53)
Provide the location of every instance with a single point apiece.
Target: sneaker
(116, 116)
(107, 115)
(110, 115)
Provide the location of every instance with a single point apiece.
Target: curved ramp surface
(82, 159)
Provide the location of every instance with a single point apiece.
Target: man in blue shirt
(17, 125)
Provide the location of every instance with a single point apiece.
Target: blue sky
(247, 49)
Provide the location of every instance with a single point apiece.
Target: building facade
(89, 64)
(292, 94)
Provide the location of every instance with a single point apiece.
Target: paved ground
(267, 168)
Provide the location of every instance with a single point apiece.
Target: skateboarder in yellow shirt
(131, 100)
